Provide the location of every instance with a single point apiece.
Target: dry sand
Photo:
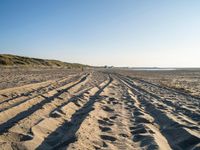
(94, 110)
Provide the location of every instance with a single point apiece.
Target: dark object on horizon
(108, 66)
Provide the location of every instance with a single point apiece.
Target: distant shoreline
(158, 69)
(154, 69)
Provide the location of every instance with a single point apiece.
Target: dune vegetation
(13, 60)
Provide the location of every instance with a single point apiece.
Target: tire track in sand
(38, 90)
(66, 132)
(26, 109)
(167, 124)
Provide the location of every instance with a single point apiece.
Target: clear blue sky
(163, 33)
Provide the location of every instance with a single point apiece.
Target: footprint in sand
(113, 117)
(105, 122)
(105, 129)
(123, 135)
(108, 109)
(108, 138)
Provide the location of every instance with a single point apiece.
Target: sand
(95, 109)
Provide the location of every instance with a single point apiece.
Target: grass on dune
(13, 60)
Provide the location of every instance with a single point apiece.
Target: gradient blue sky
(162, 33)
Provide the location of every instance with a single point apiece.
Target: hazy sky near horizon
(150, 33)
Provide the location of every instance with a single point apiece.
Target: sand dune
(97, 110)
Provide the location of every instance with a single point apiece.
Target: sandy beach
(95, 109)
